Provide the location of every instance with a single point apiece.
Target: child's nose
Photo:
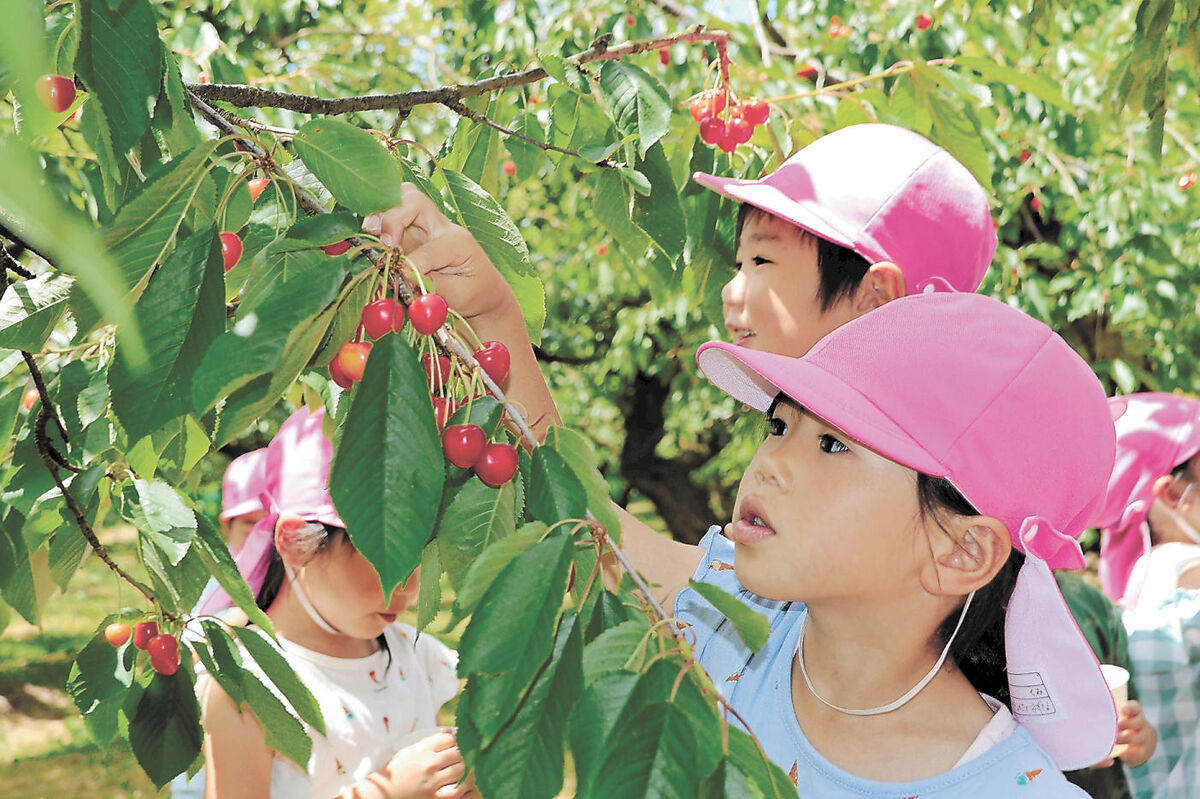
(732, 292)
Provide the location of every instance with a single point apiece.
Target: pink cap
(964, 387)
(297, 482)
(888, 194)
(245, 479)
(1155, 433)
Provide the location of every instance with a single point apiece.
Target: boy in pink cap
(378, 684)
(1150, 560)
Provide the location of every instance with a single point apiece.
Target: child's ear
(292, 541)
(1164, 492)
(968, 555)
(882, 283)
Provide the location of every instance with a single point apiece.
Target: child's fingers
(410, 224)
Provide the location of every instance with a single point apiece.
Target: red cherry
(510, 168)
(493, 358)
(717, 99)
(337, 375)
(756, 111)
(924, 21)
(1024, 156)
(231, 249)
(256, 187)
(202, 77)
(427, 313)
(629, 19)
(664, 57)
(728, 142)
(497, 464)
(29, 399)
(712, 130)
(1186, 181)
(534, 99)
(379, 317)
(738, 130)
(1035, 204)
(443, 409)
(602, 250)
(463, 444)
(698, 108)
(337, 248)
(437, 369)
(352, 359)
(164, 654)
(143, 631)
(56, 92)
(807, 73)
(117, 633)
(836, 29)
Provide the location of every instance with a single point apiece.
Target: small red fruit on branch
(602, 250)
(1186, 181)
(1024, 156)
(924, 21)
(352, 359)
(117, 633)
(664, 57)
(1036, 205)
(497, 464)
(143, 631)
(231, 250)
(29, 399)
(463, 444)
(808, 72)
(337, 248)
(427, 313)
(756, 111)
(256, 187)
(382, 317)
(164, 654)
(56, 92)
(337, 375)
(494, 359)
(836, 29)
(437, 369)
(510, 168)
(443, 409)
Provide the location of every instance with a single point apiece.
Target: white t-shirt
(1155, 577)
(371, 708)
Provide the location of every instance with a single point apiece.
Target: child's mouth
(749, 529)
(388, 617)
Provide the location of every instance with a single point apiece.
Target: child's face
(345, 589)
(772, 302)
(820, 517)
(236, 529)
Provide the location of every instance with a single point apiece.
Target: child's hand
(462, 273)
(429, 769)
(1137, 733)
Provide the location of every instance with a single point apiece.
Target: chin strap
(302, 596)
(889, 707)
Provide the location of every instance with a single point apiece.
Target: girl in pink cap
(242, 487)
(377, 683)
(1150, 560)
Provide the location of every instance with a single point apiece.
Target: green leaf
(554, 492)
(214, 554)
(120, 62)
(475, 516)
(613, 207)
(614, 648)
(157, 510)
(660, 213)
(748, 759)
(354, 165)
(751, 625)
(502, 243)
(275, 667)
(652, 752)
(1002, 73)
(181, 314)
(491, 563)
(30, 309)
(429, 590)
(387, 473)
(638, 101)
(97, 683)
(164, 730)
(282, 731)
(527, 158)
(581, 460)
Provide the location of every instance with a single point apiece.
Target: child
(241, 506)
(378, 685)
(1150, 559)
(911, 451)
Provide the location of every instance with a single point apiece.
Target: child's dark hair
(840, 269)
(273, 580)
(978, 649)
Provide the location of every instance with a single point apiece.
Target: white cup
(1118, 685)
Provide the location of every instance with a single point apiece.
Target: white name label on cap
(1030, 695)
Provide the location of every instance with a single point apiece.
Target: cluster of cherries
(464, 445)
(724, 124)
(231, 243)
(162, 648)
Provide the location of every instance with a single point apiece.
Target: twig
(13, 265)
(462, 110)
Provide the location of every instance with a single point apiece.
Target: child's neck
(292, 622)
(865, 661)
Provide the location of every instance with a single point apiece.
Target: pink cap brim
(755, 378)
(241, 509)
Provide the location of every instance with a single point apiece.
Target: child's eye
(830, 443)
(759, 260)
(776, 426)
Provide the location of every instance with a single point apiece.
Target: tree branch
(462, 110)
(12, 265)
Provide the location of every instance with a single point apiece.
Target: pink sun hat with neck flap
(1155, 433)
(964, 387)
(296, 467)
(886, 193)
(244, 481)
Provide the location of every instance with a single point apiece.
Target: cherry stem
(899, 68)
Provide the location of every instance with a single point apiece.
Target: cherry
(29, 399)
(1186, 181)
(756, 111)
(143, 631)
(382, 317)
(602, 250)
(836, 29)
(337, 375)
(164, 654)
(256, 187)
(337, 248)
(629, 19)
(698, 108)
(117, 633)
(1035, 204)
(428, 313)
(497, 464)
(443, 409)
(494, 359)
(437, 369)
(1024, 156)
(712, 130)
(924, 21)
(202, 77)
(56, 92)
(807, 73)
(352, 359)
(231, 249)
(664, 57)
(738, 130)
(510, 168)
(463, 444)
